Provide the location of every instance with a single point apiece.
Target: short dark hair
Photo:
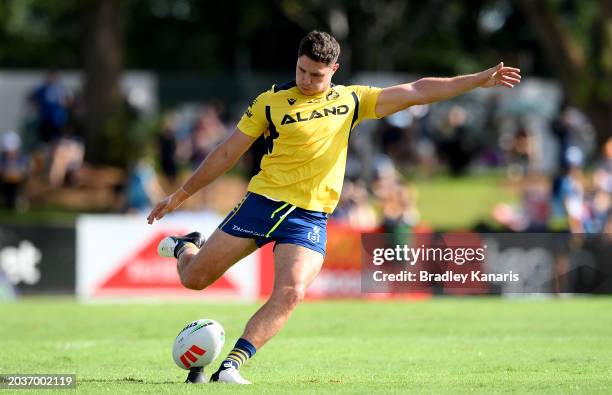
(320, 47)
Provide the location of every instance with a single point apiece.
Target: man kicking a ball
(306, 124)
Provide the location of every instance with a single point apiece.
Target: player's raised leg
(295, 267)
(200, 266)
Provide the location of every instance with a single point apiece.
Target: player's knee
(292, 295)
(191, 281)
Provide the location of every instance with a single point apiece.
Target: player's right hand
(167, 205)
(501, 75)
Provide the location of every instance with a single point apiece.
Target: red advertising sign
(146, 271)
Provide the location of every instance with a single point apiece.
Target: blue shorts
(265, 220)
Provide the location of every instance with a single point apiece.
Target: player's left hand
(501, 75)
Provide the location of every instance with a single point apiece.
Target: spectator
(66, 160)
(600, 212)
(490, 155)
(14, 171)
(453, 142)
(51, 101)
(354, 207)
(166, 143)
(521, 155)
(533, 214)
(572, 192)
(572, 131)
(143, 188)
(603, 174)
(207, 133)
(601, 204)
(398, 202)
(398, 136)
(588, 211)
(7, 289)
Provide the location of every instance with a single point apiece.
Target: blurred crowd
(570, 192)
(570, 184)
(545, 162)
(185, 137)
(47, 145)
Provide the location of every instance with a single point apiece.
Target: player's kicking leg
(201, 263)
(295, 267)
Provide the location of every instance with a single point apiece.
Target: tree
(105, 119)
(581, 57)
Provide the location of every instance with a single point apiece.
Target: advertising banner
(117, 258)
(37, 259)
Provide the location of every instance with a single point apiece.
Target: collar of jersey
(316, 96)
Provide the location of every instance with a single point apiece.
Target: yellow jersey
(306, 140)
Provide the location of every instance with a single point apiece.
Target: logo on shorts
(241, 230)
(314, 235)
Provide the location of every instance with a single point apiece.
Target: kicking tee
(306, 141)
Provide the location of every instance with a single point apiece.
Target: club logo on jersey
(332, 95)
(290, 101)
(314, 235)
(299, 117)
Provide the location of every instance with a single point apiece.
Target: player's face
(312, 77)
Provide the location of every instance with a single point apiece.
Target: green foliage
(196, 35)
(434, 36)
(39, 33)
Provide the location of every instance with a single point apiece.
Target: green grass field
(444, 345)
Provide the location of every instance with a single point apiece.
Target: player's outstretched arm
(431, 89)
(220, 160)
